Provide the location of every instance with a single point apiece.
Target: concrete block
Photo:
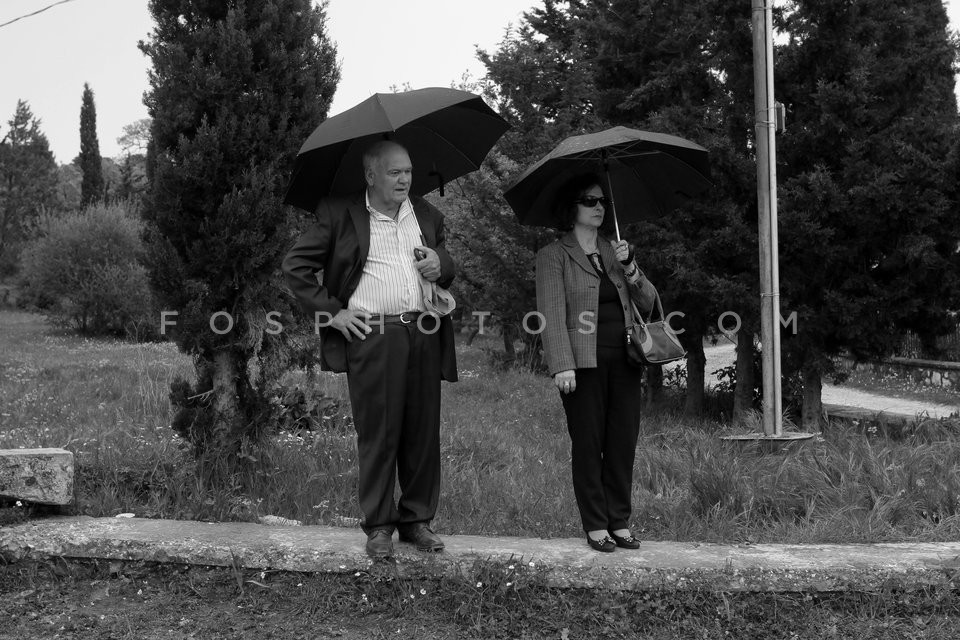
(44, 476)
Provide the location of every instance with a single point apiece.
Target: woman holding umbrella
(585, 284)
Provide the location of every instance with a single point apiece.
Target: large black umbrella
(646, 174)
(446, 132)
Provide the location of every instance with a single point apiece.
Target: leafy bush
(84, 270)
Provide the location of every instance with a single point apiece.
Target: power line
(34, 13)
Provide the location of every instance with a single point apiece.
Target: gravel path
(723, 355)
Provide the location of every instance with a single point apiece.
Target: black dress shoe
(421, 537)
(380, 543)
(625, 542)
(605, 544)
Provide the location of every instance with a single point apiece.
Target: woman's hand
(566, 381)
(623, 251)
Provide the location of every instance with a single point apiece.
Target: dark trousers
(394, 382)
(603, 418)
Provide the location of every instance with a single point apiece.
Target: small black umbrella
(646, 174)
(446, 132)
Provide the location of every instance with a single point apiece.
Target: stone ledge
(930, 364)
(44, 476)
(886, 416)
(557, 562)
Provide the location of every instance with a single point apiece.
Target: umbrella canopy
(446, 132)
(646, 174)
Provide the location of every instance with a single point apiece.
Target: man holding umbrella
(373, 248)
(381, 250)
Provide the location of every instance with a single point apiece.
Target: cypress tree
(28, 181)
(869, 229)
(236, 87)
(91, 188)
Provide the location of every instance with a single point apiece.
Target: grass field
(506, 472)
(505, 456)
(133, 601)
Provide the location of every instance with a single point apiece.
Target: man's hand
(350, 322)
(429, 264)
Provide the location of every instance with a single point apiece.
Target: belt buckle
(405, 315)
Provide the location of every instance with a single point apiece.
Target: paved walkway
(558, 562)
(840, 400)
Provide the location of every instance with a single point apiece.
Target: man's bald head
(377, 151)
(388, 172)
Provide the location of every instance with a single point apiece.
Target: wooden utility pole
(766, 151)
(767, 213)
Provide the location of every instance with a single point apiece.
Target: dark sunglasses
(591, 201)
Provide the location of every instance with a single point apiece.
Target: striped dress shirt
(390, 282)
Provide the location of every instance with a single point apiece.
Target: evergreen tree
(133, 143)
(92, 187)
(537, 85)
(236, 87)
(667, 66)
(541, 81)
(869, 229)
(495, 256)
(869, 162)
(131, 182)
(685, 68)
(28, 181)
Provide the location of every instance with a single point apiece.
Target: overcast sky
(47, 57)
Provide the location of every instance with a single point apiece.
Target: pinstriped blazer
(568, 297)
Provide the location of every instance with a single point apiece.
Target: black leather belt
(407, 317)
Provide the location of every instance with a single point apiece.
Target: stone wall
(931, 373)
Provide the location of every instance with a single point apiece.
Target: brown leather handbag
(651, 342)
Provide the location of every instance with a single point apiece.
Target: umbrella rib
(592, 155)
(385, 113)
(588, 155)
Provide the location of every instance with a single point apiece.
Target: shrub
(84, 270)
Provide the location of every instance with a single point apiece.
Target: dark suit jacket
(568, 296)
(337, 245)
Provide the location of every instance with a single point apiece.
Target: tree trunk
(474, 332)
(653, 383)
(743, 391)
(696, 360)
(812, 410)
(227, 426)
(508, 334)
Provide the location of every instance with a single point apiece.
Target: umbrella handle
(439, 180)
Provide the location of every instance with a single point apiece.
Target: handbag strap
(657, 306)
